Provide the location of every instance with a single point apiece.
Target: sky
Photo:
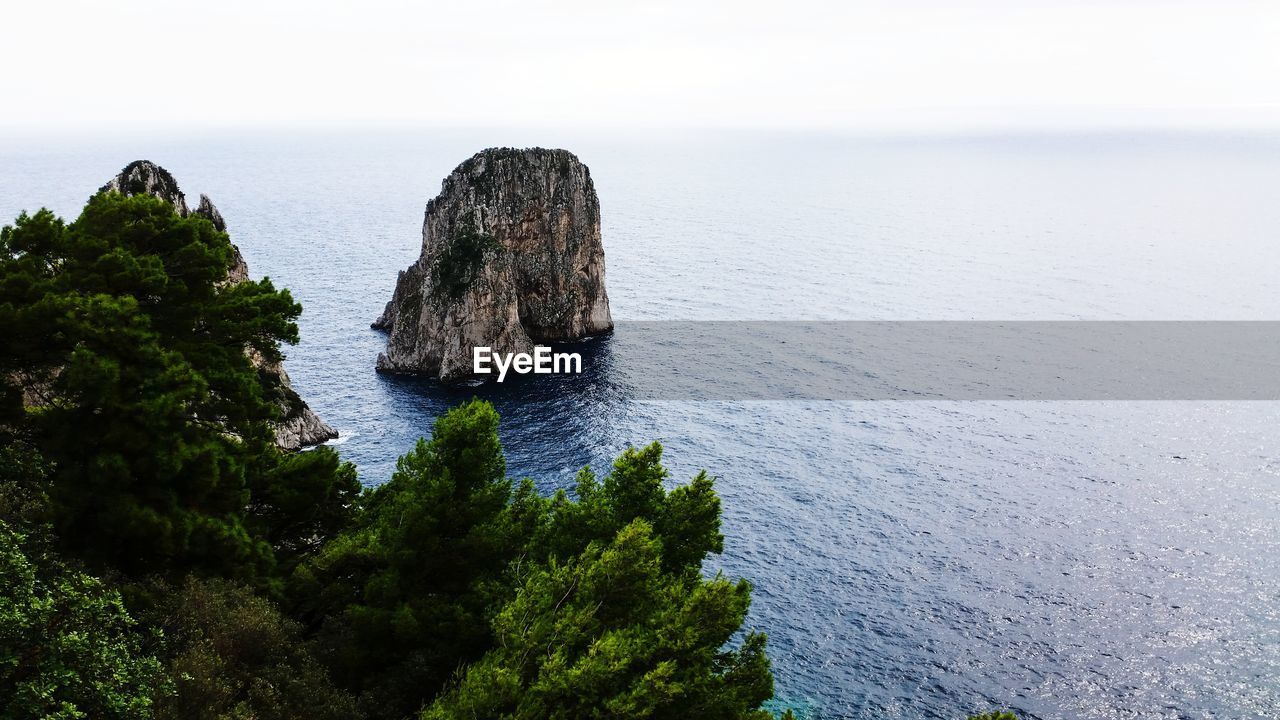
(903, 64)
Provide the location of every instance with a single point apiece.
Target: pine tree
(125, 369)
(401, 599)
(611, 634)
(409, 595)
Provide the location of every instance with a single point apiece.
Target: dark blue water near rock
(910, 560)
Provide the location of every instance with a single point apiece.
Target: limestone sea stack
(511, 256)
(299, 426)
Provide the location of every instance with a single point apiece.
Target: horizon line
(906, 130)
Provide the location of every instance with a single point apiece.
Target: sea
(927, 558)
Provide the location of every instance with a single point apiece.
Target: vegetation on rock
(459, 263)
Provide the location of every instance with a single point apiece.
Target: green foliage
(445, 557)
(23, 489)
(998, 715)
(131, 350)
(68, 648)
(686, 520)
(232, 655)
(401, 598)
(299, 500)
(611, 634)
(459, 262)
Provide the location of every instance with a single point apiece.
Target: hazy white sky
(671, 63)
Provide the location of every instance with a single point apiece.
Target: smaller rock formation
(143, 177)
(299, 426)
(511, 255)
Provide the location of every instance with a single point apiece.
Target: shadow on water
(552, 422)
(598, 383)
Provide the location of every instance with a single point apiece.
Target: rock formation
(511, 255)
(299, 426)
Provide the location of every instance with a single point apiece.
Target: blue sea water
(910, 559)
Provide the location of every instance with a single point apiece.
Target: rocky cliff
(511, 255)
(299, 425)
